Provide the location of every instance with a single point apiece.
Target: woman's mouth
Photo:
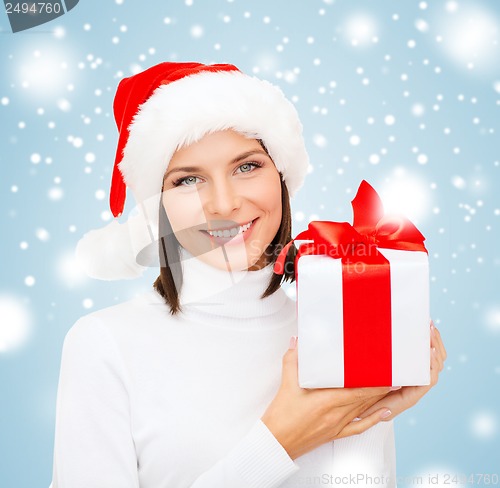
(232, 235)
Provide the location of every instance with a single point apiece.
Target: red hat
(169, 106)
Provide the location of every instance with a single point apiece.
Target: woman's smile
(231, 235)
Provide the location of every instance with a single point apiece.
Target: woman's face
(222, 196)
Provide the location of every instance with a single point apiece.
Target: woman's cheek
(265, 189)
(267, 194)
(184, 209)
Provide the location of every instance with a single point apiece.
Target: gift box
(362, 300)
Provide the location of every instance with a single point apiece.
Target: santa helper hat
(162, 109)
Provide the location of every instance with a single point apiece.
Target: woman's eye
(186, 181)
(247, 167)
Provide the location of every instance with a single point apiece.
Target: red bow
(371, 229)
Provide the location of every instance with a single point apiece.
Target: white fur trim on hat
(106, 253)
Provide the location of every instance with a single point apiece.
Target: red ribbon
(366, 298)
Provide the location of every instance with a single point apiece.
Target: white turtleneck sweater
(151, 400)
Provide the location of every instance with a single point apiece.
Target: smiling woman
(231, 210)
(194, 383)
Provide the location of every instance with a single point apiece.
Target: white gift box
(321, 321)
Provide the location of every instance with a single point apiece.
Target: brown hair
(170, 253)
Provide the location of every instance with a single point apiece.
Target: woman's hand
(404, 398)
(302, 419)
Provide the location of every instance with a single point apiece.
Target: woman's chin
(229, 259)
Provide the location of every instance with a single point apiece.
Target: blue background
(403, 94)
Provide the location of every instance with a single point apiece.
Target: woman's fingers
(439, 341)
(352, 396)
(290, 367)
(436, 337)
(437, 345)
(435, 366)
(437, 352)
(358, 426)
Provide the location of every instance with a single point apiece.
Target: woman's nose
(223, 198)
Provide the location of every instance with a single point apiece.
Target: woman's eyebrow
(248, 153)
(189, 169)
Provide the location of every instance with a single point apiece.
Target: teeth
(230, 232)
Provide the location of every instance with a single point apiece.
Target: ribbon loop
(371, 228)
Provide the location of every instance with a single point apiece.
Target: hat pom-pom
(107, 254)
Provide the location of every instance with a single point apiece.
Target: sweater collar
(236, 294)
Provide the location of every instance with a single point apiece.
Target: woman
(194, 384)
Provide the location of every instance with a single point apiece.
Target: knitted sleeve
(94, 447)
(257, 461)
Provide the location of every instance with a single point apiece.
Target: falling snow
(355, 140)
(484, 424)
(15, 324)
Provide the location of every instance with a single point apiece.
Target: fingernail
(395, 388)
(385, 414)
(432, 327)
(433, 350)
(293, 342)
